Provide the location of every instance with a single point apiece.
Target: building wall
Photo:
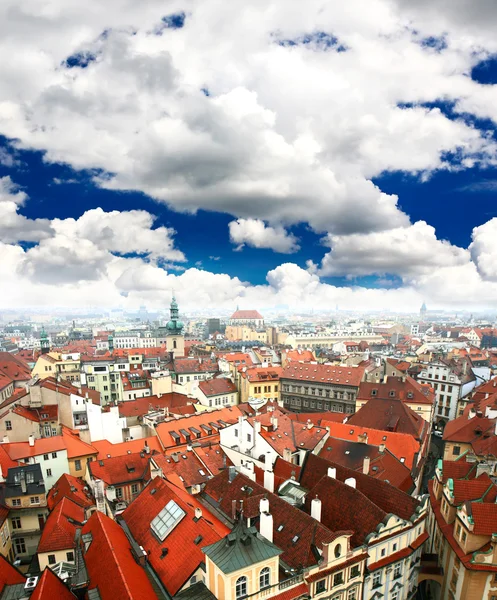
(6, 541)
(260, 390)
(176, 345)
(297, 396)
(223, 586)
(17, 428)
(59, 555)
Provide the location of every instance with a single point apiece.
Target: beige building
(260, 383)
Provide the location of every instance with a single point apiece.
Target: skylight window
(167, 520)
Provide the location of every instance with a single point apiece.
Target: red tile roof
(484, 517)
(48, 412)
(60, 527)
(215, 387)
(50, 586)
(141, 406)
(458, 469)
(466, 430)
(21, 450)
(75, 446)
(300, 355)
(182, 468)
(70, 487)
(184, 556)
(9, 575)
(474, 489)
(408, 390)
(263, 374)
(122, 576)
(249, 315)
(14, 368)
(121, 469)
(239, 358)
(195, 365)
(322, 373)
(106, 449)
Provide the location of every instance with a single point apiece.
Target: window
(49, 472)
(394, 595)
(8, 425)
(249, 438)
(16, 502)
(119, 492)
(397, 572)
(51, 559)
(338, 578)
(458, 530)
(456, 450)
(383, 551)
(264, 578)
(16, 522)
(70, 556)
(35, 500)
(355, 571)
(394, 548)
(338, 550)
(321, 586)
(45, 457)
(377, 579)
(352, 595)
(54, 454)
(20, 546)
(463, 537)
(241, 587)
(167, 520)
(134, 488)
(77, 464)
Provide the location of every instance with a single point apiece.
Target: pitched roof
(48, 412)
(480, 488)
(263, 374)
(9, 575)
(215, 387)
(180, 554)
(195, 365)
(60, 527)
(50, 586)
(241, 548)
(14, 368)
(466, 430)
(238, 358)
(121, 469)
(458, 469)
(484, 516)
(141, 406)
(107, 449)
(405, 389)
(295, 532)
(122, 576)
(70, 487)
(21, 450)
(246, 314)
(390, 415)
(75, 446)
(323, 373)
(182, 468)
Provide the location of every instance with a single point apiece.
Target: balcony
(20, 533)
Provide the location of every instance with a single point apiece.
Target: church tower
(44, 342)
(423, 311)
(175, 340)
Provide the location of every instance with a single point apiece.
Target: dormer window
(374, 392)
(392, 394)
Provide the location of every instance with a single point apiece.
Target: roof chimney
(382, 448)
(309, 424)
(198, 512)
(269, 481)
(264, 505)
(332, 472)
(31, 440)
(257, 426)
(350, 481)
(316, 509)
(266, 526)
(274, 423)
(365, 465)
(231, 473)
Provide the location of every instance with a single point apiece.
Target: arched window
(264, 578)
(174, 344)
(338, 550)
(241, 587)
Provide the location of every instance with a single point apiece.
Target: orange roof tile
(60, 527)
(106, 449)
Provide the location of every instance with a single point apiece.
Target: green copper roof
(243, 547)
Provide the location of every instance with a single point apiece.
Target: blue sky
(301, 158)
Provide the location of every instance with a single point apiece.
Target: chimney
(287, 455)
(263, 505)
(31, 440)
(350, 481)
(257, 426)
(332, 472)
(266, 526)
(269, 481)
(365, 465)
(362, 438)
(316, 509)
(5, 439)
(309, 424)
(382, 448)
(274, 423)
(198, 513)
(231, 473)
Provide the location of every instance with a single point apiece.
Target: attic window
(201, 472)
(167, 520)
(374, 392)
(351, 432)
(295, 538)
(402, 459)
(391, 393)
(197, 540)
(384, 438)
(101, 463)
(280, 527)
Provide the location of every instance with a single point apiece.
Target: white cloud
(484, 249)
(254, 232)
(406, 252)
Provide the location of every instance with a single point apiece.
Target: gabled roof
(398, 388)
(216, 387)
(70, 487)
(323, 373)
(243, 547)
(246, 314)
(50, 587)
(60, 527)
(122, 576)
(182, 468)
(262, 374)
(480, 488)
(121, 469)
(48, 412)
(484, 517)
(9, 575)
(239, 358)
(21, 450)
(458, 469)
(107, 449)
(75, 446)
(295, 532)
(14, 368)
(141, 406)
(180, 554)
(390, 415)
(467, 430)
(195, 365)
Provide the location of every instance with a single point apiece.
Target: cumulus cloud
(484, 249)
(406, 252)
(255, 233)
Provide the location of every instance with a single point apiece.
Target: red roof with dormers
(182, 468)
(408, 390)
(121, 469)
(49, 412)
(184, 543)
(60, 527)
(262, 374)
(122, 576)
(5, 381)
(70, 487)
(14, 368)
(142, 406)
(238, 358)
(195, 365)
(323, 373)
(217, 387)
(480, 488)
(458, 469)
(107, 449)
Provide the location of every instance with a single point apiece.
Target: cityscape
(248, 300)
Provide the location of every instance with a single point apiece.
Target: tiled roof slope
(322, 373)
(183, 556)
(122, 578)
(9, 575)
(121, 469)
(70, 487)
(215, 387)
(60, 527)
(246, 314)
(50, 587)
(407, 390)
